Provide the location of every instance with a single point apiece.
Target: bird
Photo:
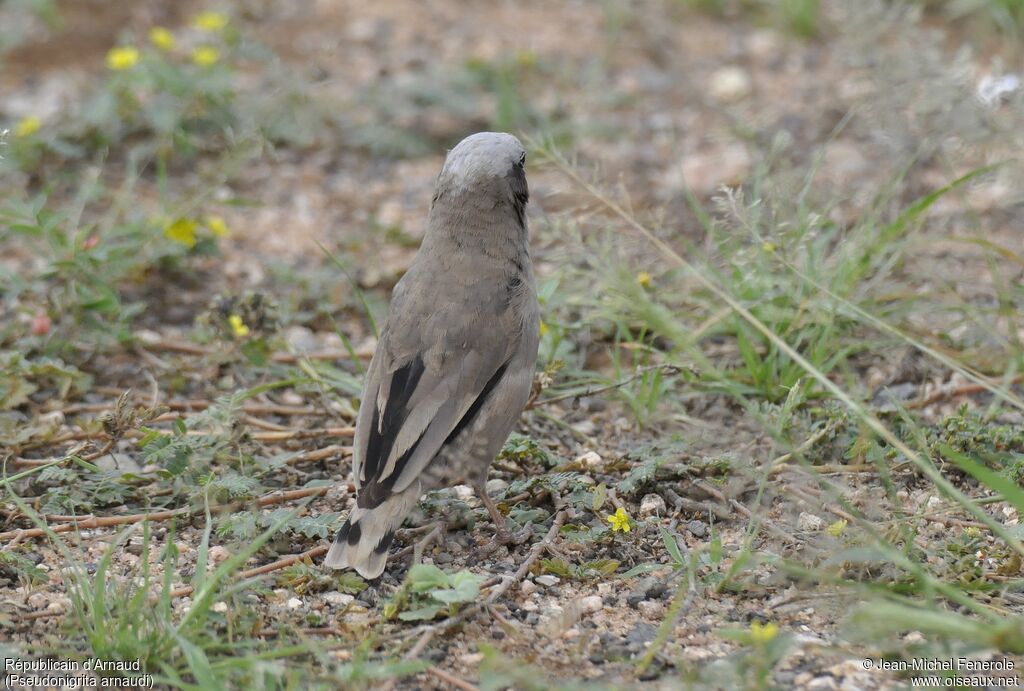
(454, 362)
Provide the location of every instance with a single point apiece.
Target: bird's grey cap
(483, 155)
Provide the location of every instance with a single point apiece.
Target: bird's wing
(435, 366)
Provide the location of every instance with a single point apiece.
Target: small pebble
(292, 398)
(634, 598)
(809, 522)
(338, 599)
(217, 554)
(590, 459)
(591, 604)
(463, 492)
(496, 486)
(587, 427)
(528, 587)
(547, 580)
(294, 603)
(730, 84)
(822, 684)
(220, 607)
(651, 609)
(652, 504)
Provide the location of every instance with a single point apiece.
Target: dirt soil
(686, 97)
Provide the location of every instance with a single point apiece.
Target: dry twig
(90, 522)
(668, 370)
(267, 568)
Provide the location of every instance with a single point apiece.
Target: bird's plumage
(454, 365)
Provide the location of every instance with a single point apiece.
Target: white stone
(220, 607)
(652, 504)
(528, 587)
(809, 522)
(730, 84)
(585, 427)
(294, 603)
(822, 684)
(218, 554)
(292, 398)
(590, 459)
(338, 599)
(547, 580)
(463, 492)
(651, 609)
(496, 486)
(53, 419)
(590, 604)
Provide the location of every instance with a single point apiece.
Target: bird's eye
(522, 160)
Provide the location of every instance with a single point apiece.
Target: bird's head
(486, 168)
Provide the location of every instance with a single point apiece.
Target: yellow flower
(644, 279)
(238, 326)
(217, 226)
(619, 520)
(204, 56)
(769, 247)
(210, 21)
(543, 328)
(161, 38)
(526, 58)
(763, 633)
(122, 58)
(836, 529)
(182, 231)
(28, 126)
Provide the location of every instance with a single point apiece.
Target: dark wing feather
(384, 427)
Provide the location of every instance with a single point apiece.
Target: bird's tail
(362, 543)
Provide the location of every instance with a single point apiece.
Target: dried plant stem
(965, 390)
(90, 522)
(450, 679)
(267, 568)
(313, 455)
(668, 370)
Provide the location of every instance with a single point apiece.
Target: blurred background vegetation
(781, 237)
